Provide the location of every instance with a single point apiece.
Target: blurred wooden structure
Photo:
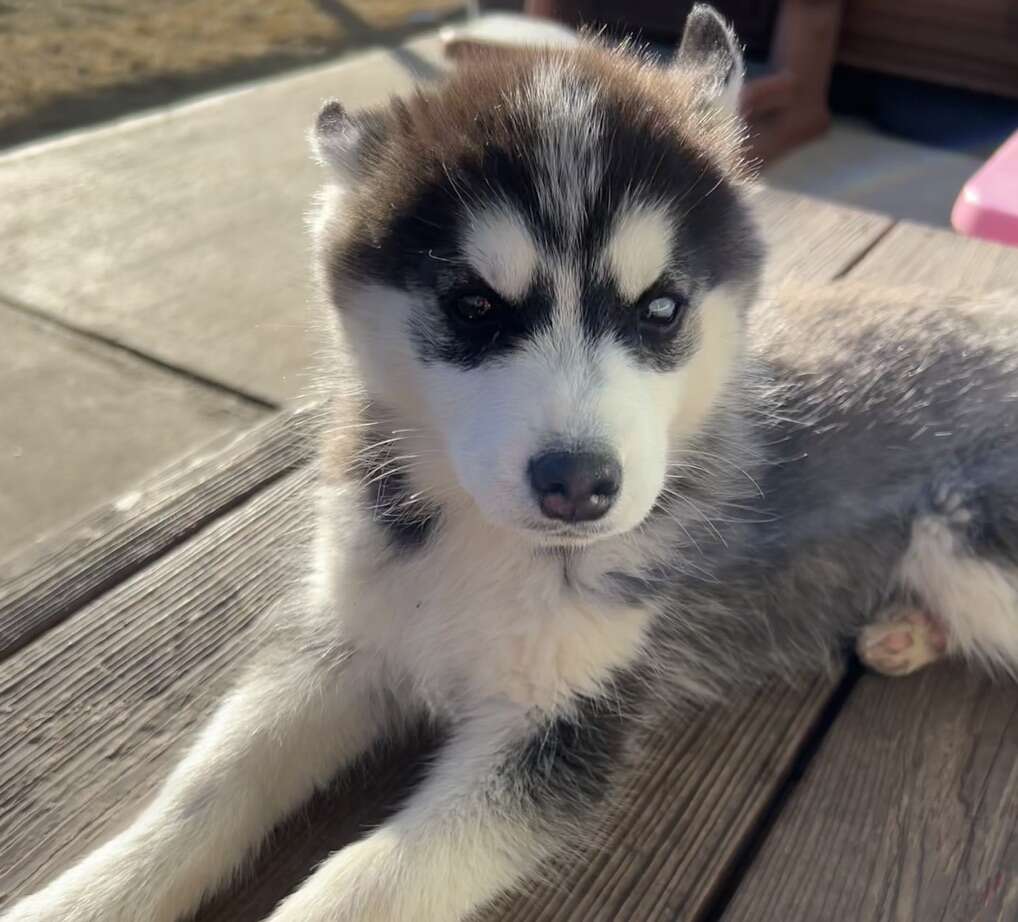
(973, 45)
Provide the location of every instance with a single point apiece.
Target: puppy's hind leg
(284, 731)
(960, 568)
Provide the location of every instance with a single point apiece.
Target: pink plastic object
(988, 204)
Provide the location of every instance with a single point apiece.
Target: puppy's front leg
(285, 730)
(506, 793)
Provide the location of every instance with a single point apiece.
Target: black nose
(575, 486)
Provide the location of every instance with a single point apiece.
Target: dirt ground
(66, 63)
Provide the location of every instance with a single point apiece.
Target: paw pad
(907, 642)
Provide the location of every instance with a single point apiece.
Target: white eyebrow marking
(638, 250)
(501, 250)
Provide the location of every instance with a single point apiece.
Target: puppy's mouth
(561, 535)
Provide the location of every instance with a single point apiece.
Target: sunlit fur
(794, 467)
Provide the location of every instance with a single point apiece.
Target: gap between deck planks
(91, 710)
(51, 579)
(909, 813)
(98, 705)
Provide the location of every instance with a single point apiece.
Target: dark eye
(475, 309)
(661, 312)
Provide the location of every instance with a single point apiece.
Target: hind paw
(902, 642)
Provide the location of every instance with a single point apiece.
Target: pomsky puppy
(577, 467)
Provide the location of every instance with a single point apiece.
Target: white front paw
(371, 881)
(355, 885)
(44, 907)
(85, 893)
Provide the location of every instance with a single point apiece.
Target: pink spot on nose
(557, 506)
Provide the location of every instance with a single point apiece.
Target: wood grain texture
(908, 813)
(912, 253)
(810, 239)
(92, 712)
(49, 580)
(182, 233)
(970, 45)
(95, 713)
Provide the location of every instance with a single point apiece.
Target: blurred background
(66, 63)
(911, 95)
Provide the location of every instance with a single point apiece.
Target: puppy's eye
(474, 309)
(662, 312)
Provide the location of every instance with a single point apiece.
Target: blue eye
(662, 311)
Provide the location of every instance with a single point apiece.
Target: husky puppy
(574, 475)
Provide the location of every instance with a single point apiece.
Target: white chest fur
(476, 614)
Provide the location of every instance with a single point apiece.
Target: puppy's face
(544, 265)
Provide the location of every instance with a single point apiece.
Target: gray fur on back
(866, 409)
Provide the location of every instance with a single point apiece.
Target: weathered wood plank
(82, 422)
(182, 234)
(810, 239)
(49, 580)
(908, 813)
(939, 259)
(91, 713)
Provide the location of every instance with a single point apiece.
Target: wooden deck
(166, 255)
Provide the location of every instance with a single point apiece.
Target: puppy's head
(544, 264)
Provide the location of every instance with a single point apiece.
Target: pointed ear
(341, 141)
(710, 50)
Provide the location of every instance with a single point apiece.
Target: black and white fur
(502, 255)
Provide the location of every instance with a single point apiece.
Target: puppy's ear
(344, 142)
(711, 52)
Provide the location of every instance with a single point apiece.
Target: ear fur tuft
(710, 49)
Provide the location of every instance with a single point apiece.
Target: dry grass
(65, 63)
